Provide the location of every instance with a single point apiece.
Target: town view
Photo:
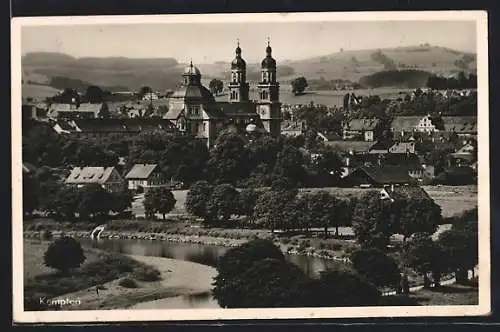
(254, 173)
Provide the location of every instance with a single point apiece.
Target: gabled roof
(362, 124)
(141, 171)
(354, 146)
(407, 192)
(405, 122)
(87, 175)
(385, 174)
(460, 124)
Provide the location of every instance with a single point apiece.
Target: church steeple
(238, 87)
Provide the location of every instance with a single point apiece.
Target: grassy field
(446, 295)
(33, 252)
(453, 199)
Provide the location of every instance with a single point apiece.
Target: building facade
(194, 110)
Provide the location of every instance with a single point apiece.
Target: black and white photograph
(250, 166)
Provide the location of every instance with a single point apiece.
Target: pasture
(453, 199)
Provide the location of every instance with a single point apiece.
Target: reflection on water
(198, 253)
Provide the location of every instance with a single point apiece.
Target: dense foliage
(64, 254)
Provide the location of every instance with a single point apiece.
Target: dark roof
(238, 109)
(354, 146)
(197, 92)
(141, 171)
(385, 174)
(124, 125)
(408, 192)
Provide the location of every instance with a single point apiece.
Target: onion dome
(238, 62)
(268, 62)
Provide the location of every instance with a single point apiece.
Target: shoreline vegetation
(113, 281)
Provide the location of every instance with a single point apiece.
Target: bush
(64, 254)
(146, 273)
(46, 235)
(128, 283)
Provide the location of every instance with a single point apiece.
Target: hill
(165, 73)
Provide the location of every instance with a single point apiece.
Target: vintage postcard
(250, 166)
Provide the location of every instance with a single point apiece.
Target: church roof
(194, 92)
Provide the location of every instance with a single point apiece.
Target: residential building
(409, 192)
(108, 177)
(365, 129)
(463, 126)
(402, 125)
(74, 111)
(351, 147)
(293, 128)
(378, 176)
(145, 176)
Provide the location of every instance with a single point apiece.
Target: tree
(222, 203)
(216, 86)
(299, 84)
(159, 200)
(122, 200)
(376, 266)
(62, 201)
(328, 167)
(64, 254)
(197, 197)
(460, 249)
(418, 216)
(94, 202)
(272, 206)
(289, 165)
(228, 160)
(94, 94)
(144, 90)
(322, 210)
(424, 256)
(104, 111)
(247, 199)
(373, 221)
(343, 287)
(267, 283)
(31, 199)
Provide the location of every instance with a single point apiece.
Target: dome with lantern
(268, 62)
(238, 62)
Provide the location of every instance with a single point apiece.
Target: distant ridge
(165, 73)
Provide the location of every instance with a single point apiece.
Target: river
(198, 253)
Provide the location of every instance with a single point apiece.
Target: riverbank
(178, 278)
(288, 247)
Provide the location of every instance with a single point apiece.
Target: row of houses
(371, 129)
(143, 176)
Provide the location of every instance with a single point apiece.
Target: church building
(194, 110)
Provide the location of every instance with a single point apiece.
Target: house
(150, 96)
(145, 176)
(351, 147)
(465, 155)
(109, 130)
(366, 129)
(384, 147)
(74, 111)
(464, 126)
(378, 176)
(108, 177)
(293, 128)
(410, 192)
(402, 125)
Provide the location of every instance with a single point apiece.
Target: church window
(264, 94)
(234, 77)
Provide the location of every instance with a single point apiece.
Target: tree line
(257, 275)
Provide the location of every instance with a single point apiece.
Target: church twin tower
(268, 105)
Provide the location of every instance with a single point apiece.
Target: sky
(209, 42)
